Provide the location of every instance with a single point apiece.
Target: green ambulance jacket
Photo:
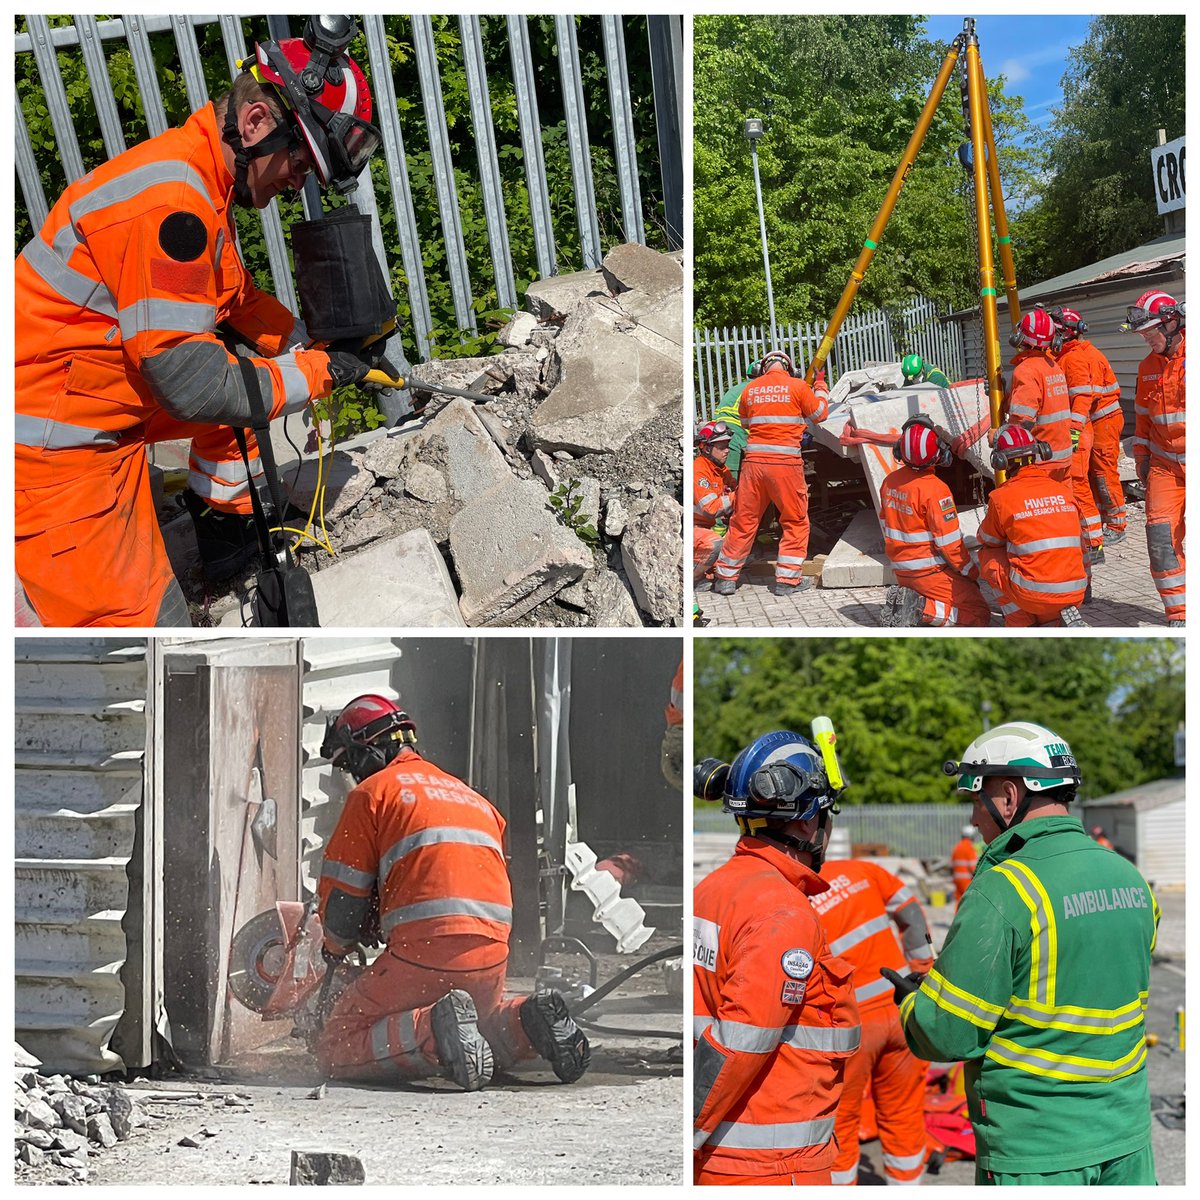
(1041, 989)
(728, 412)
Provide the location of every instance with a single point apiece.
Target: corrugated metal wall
(80, 758)
(1161, 843)
(335, 670)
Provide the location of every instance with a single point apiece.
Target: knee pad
(1161, 548)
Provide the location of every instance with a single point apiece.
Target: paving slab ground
(1123, 594)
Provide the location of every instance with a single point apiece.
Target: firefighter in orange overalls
(922, 537)
(1037, 394)
(776, 409)
(713, 496)
(774, 1009)
(427, 853)
(1092, 387)
(963, 858)
(860, 914)
(1100, 838)
(118, 302)
(1159, 442)
(1030, 543)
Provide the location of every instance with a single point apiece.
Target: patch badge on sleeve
(183, 236)
(797, 963)
(793, 992)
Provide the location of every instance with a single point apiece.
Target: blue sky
(1030, 51)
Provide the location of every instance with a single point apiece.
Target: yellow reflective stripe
(1073, 1019)
(1157, 917)
(1043, 947)
(1055, 1066)
(936, 986)
(906, 1006)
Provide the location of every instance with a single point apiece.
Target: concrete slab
(401, 582)
(472, 462)
(345, 480)
(652, 555)
(859, 559)
(638, 268)
(557, 297)
(510, 553)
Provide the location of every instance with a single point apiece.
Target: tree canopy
(903, 706)
(839, 97)
(1121, 86)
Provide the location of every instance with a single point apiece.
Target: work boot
(226, 541)
(1087, 595)
(1176, 624)
(557, 1038)
(461, 1048)
(1072, 618)
(723, 587)
(1096, 557)
(1114, 537)
(787, 589)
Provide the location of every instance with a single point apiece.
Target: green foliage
(448, 339)
(839, 96)
(566, 500)
(903, 706)
(349, 411)
(1121, 86)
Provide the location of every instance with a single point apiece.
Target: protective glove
(819, 384)
(905, 985)
(1143, 468)
(346, 368)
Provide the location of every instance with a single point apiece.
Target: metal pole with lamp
(753, 129)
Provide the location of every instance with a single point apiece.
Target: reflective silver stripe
(1059, 543)
(1045, 418)
(1107, 410)
(41, 433)
(791, 559)
(381, 1040)
(1082, 1022)
(916, 564)
(176, 316)
(454, 906)
(342, 873)
(734, 1035)
(1174, 418)
(904, 1162)
(296, 392)
(869, 991)
(769, 420)
(1062, 455)
(849, 1175)
(1022, 410)
(1081, 390)
(901, 896)
(132, 183)
(860, 933)
(784, 573)
(210, 489)
(948, 539)
(1057, 1066)
(812, 1037)
(987, 539)
(1047, 589)
(795, 451)
(234, 468)
(67, 283)
(790, 1135)
(438, 836)
(900, 535)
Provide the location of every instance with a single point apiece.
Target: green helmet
(912, 365)
(754, 370)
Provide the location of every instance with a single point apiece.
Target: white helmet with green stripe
(1017, 750)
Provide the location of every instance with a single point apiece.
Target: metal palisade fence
(495, 170)
(723, 356)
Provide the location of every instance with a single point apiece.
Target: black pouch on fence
(343, 293)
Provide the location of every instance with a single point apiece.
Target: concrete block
(859, 559)
(511, 553)
(402, 581)
(346, 483)
(638, 268)
(606, 383)
(610, 602)
(472, 461)
(652, 555)
(543, 468)
(320, 1167)
(616, 517)
(426, 484)
(518, 329)
(384, 456)
(557, 297)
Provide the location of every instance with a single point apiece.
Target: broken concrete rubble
(545, 426)
(321, 1167)
(652, 552)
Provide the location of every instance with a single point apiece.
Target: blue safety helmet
(780, 777)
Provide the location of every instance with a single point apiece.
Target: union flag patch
(793, 992)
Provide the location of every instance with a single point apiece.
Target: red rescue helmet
(326, 94)
(1016, 446)
(367, 734)
(1150, 311)
(921, 444)
(1035, 328)
(1068, 321)
(713, 433)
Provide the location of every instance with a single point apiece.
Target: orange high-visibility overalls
(434, 850)
(925, 547)
(860, 914)
(775, 1021)
(775, 410)
(1107, 421)
(963, 859)
(1159, 448)
(118, 298)
(1038, 398)
(713, 495)
(1086, 370)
